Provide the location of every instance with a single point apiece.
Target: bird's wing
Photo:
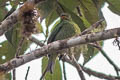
(54, 32)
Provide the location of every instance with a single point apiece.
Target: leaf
(8, 76)
(78, 21)
(8, 35)
(99, 4)
(114, 6)
(91, 52)
(51, 18)
(3, 12)
(46, 8)
(39, 27)
(5, 76)
(9, 50)
(57, 74)
(70, 4)
(89, 11)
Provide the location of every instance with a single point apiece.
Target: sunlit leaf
(3, 12)
(5, 76)
(8, 35)
(89, 11)
(90, 54)
(51, 18)
(9, 50)
(114, 6)
(39, 27)
(71, 4)
(46, 8)
(8, 76)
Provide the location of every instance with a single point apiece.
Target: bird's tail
(50, 66)
(51, 63)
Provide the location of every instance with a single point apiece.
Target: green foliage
(8, 50)
(39, 27)
(51, 17)
(114, 5)
(9, 35)
(89, 13)
(5, 76)
(3, 11)
(71, 4)
(46, 8)
(91, 52)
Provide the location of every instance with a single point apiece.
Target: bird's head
(65, 16)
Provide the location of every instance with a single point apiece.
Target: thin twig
(117, 69)
(79, 69)
(33, 39)
(76, 65)
(79, 11)
(14, 74)
(64, 71)
(44, 73)
(98, 74)
(117, 42)
(19, 46)
(17, 55)
(27, 72)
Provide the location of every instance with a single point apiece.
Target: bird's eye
(63, 17)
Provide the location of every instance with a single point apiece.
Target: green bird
(66, 28)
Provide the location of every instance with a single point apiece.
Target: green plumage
(66, 28)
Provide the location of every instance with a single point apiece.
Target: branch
(58, 45)
(98, 74)
(14, 17)
(33, 39)
(76, 65)
(91, 72)
(79, 69)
